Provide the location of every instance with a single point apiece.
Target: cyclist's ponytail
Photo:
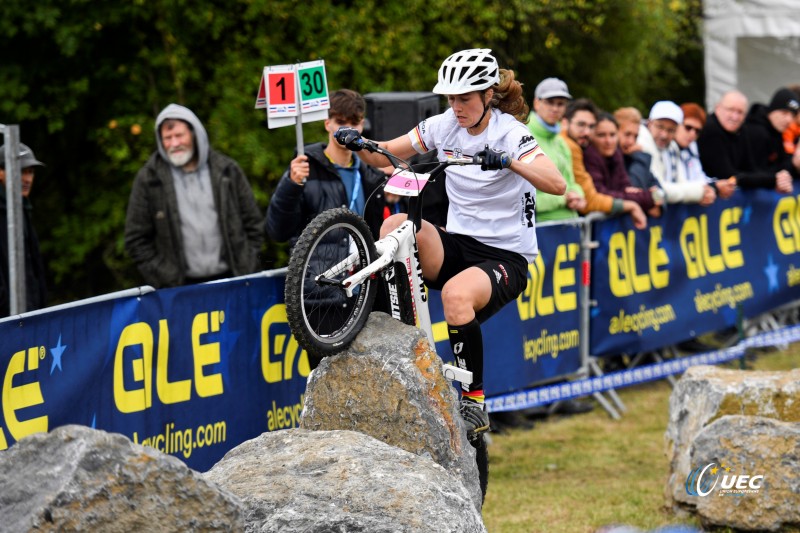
(508, 96)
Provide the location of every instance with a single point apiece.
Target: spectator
(637, 162)
(724, 151)
(192, 216)
(656, 139)
(763, 130)
(328, 175)
(35, 285)
(549, 104)
(792, 133)
(694, 119)
(604, 162)
(576, 126)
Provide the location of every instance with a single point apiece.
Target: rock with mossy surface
(741, 424)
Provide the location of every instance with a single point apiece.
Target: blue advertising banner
(191, 371)
(537, 338)
(689, 271)
(194, 371)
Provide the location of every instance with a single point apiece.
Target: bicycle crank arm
(453, 373)
(327, 282)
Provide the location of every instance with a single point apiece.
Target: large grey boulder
(297, 481)
(80, 479)
(389, 385)
(706, 394)
(750, 446)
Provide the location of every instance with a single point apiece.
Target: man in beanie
(192, 216)
(724, 151)
(35, 286)
(763, 130)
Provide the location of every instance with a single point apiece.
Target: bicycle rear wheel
(321, 316)
(482, 460)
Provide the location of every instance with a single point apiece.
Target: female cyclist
(480, 261)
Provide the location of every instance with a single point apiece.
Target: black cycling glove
(493, 159)
(350, 138)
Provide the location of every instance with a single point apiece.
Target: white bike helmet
(466, 71)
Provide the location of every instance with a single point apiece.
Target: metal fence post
(16, 243)
(588, 244)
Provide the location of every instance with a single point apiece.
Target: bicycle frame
(400, 246)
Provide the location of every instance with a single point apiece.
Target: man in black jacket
(725, 152)
(327, 176)
(763, 129)
(192, 216)
(35, 286)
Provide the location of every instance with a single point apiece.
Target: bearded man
(192, 216)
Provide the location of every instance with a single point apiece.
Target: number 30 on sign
(289, 91)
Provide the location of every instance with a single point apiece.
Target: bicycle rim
(322, 317)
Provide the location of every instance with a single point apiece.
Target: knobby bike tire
(322, 318)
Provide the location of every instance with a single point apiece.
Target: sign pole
(298, 125)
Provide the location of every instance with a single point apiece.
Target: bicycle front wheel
(322, 317)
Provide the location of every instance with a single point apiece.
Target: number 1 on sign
(281, 91)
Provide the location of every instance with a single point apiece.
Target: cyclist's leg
(392, 223)
(463, 295)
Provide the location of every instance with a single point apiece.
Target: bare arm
(542, 174)
(400, 147)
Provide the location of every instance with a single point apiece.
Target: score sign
(313, 89)
(282, 94)
(292, 92)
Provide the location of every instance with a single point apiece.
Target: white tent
(751, 45)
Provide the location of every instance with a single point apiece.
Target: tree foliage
(85, 81)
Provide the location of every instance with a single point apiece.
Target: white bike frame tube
(387, 247)
(409, 255)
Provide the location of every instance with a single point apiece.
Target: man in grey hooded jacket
(192, 216)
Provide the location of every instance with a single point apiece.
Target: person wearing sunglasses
(694, 118)
(657, 138)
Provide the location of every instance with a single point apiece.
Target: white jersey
(494, 207)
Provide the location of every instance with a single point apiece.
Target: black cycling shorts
(508, 271)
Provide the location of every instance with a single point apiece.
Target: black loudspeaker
(393, 114)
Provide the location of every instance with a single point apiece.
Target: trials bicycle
(336, 265)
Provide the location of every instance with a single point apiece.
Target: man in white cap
(35, 286)
(657, 138)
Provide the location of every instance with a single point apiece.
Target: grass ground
(576, 474)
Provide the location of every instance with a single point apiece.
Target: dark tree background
(85, 80)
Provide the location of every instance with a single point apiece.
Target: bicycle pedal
(453, 373)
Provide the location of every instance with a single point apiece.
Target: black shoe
(727, 337)
(695, 346)
(573, 407)
(500, 422)
(476, 419)
(613, 363)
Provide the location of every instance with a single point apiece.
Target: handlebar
(353, 140)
